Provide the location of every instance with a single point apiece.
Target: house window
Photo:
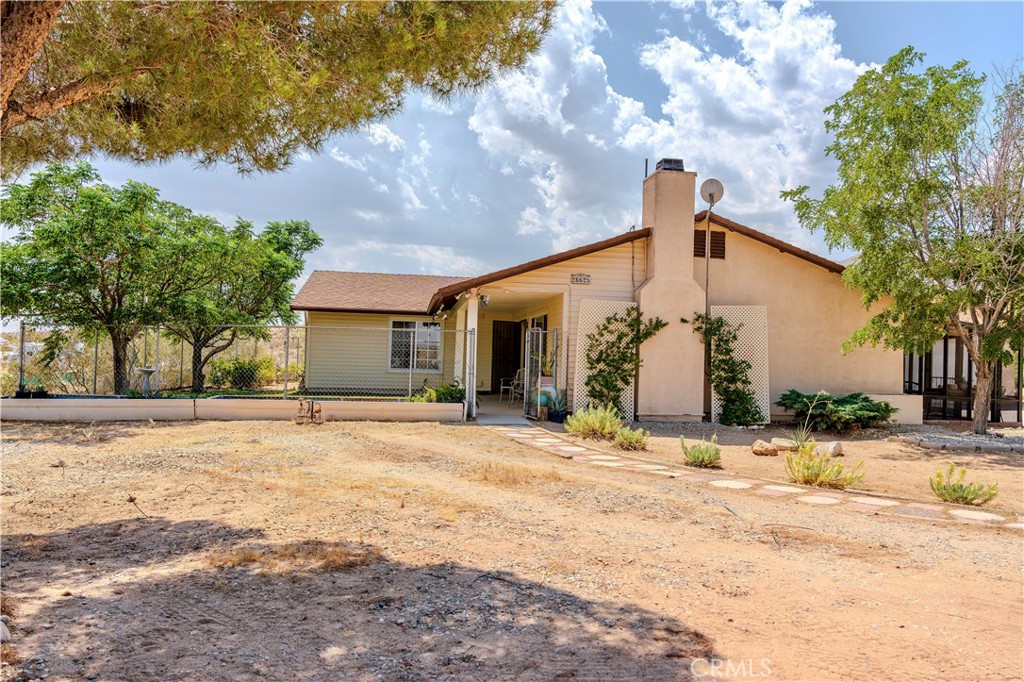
(717, 244)
(415, 342)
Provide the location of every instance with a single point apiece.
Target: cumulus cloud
(426, 259)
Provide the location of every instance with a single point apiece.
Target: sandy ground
(270, 551)
(893, 468)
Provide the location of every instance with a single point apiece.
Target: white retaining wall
(183, 409)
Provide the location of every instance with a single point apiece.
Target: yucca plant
(703, 455)
(594, 422)
(950, 487)
(810, 468)
(631, 439)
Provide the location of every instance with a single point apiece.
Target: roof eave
(768, 240)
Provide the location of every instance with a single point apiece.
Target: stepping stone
(571, 448)
(784, 489)
(929, 507)
(606, 457)
(672, 474)
(652, 467)
(818, 499)
(608, 464)
(548, 440)
(734, 485)
(860, 506)
(1014, 525)
(875, 501)
(771, 493)
(975, 515)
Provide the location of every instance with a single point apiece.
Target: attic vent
(670, 164)
(717, 244)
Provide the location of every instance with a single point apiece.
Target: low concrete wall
(97, 409)
(231, 409)
(911, 407)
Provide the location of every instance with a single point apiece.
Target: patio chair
(514, 386)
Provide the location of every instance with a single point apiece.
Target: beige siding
(356, 359)
(614, 275)
(810, 313)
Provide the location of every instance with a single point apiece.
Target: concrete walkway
(860, 501)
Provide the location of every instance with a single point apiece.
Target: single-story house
(795, 310)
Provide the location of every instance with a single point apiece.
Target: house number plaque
(579, 278)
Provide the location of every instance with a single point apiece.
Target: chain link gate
(541, 370)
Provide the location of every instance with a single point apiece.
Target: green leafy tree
(613, 354)
(247, 83)
(930, 191)
(728, 374)
(252, 287)
(95, 257)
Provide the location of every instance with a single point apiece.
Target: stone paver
(918, 512)
(771, 493)
(875, 501)
(734, 485)
(608, 464)
(571, 448)
(610, 458)
(975, 515)
(860, 506)
(785, 489)
(818, 499)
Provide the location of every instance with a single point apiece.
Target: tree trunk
(119, 343)
(25, 26)
(983, 396)
(198, 377)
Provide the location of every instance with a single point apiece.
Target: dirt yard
(362, 551)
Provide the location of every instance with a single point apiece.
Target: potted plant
(547, 368)
(557, 408)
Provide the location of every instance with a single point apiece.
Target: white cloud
(380, 134)
(426, 259)
(343, 158)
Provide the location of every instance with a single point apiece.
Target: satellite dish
(711, 191)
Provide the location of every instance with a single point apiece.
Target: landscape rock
(784, 444)
(832, 449)
(764, 449)
(5, 634)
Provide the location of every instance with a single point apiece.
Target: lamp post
(711, 191)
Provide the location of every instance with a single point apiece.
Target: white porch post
(472, 321)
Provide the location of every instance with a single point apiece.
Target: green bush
(728, 373)
(444, 393)
(594, 422)
(242, 372)
(631, 439)
(951, 488)
(811, 468)
(703, 455)
(823, 412)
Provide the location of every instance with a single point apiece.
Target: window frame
(412, 350)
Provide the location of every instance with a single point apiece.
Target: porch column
(472, 323)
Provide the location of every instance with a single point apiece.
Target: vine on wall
(613, 354)
(728, 374)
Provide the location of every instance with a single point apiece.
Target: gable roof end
(768, 240)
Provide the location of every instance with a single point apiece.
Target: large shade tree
(246, 83)
(930, 191)
(95, 257)
(251, 288)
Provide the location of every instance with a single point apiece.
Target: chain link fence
(408, 360)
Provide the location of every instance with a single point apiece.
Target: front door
(505, 355)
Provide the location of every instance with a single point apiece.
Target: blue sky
(553, 157)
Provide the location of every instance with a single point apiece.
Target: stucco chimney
(672, 375)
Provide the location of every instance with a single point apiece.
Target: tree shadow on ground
(969, 458)
(157, 600)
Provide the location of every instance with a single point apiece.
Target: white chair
(514, 386)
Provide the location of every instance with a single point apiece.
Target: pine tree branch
(23, 30)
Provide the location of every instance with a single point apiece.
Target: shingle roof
(329, 290)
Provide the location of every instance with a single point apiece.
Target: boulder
(832, 449)
(784, 444)
(764, 449)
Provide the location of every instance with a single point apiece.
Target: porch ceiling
(506, 301)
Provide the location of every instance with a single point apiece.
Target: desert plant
(802, 435)
(594, 422)
(444, 393)
(703, 455)
(951, 488)
(823, 412)
(819, 469)
(728, 374)
(631, 439)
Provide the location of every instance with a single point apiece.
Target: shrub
(823, 412)
(631, 439)
(951, 488)
(612, 354)
(242, 372)
(811, 468)
(444, 393)
(594, 422)
(703, 455)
